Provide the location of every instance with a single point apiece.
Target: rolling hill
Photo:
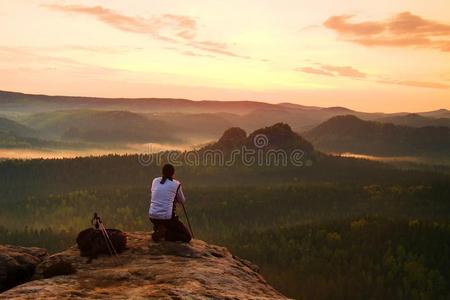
(174, 121)
(15, 128)
(28, 103)
(101, 127)
(246, 114)
(194, 127)
(16, 135)
(440, 113)
(351, 134)
(415, 120)
(9, 140)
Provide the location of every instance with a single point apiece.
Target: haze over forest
(39, 125)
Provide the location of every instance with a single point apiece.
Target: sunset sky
(379, 55)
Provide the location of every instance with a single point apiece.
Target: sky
(370, 56)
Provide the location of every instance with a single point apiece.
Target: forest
(342, 228)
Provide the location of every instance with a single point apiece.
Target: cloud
(341, 25)
(170, 28)
(215, 47)
(39, 60)
(155, 25)
(96, 49)
(347, 71)
(22, 50)
(328, 70)
(420, 84)
(30, 55)
(191, 53)
(310, 27)
(402, 30)
(315, 71)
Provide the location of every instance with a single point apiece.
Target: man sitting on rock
(165, 193)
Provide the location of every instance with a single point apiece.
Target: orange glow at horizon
(365, 55)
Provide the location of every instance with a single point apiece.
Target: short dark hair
(167, 172)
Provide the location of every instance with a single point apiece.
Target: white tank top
(162, 198)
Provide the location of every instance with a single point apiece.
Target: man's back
(162, 198)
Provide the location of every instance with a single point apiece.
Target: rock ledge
(150, 270)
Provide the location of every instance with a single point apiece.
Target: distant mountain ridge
(32, 103)
(351, 134)
(12, 101)
(50, 120)
(415, 120)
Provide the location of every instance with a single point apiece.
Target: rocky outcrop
(17, 264)
(148, 270)
(279, 136)
(232, 138)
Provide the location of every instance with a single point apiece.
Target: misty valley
(34, 126)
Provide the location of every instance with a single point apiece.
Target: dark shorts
(170, 230)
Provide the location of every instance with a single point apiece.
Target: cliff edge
(147, 270)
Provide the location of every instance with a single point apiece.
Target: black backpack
(92, 242)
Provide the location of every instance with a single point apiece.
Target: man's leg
(159, 229)
(176, 231)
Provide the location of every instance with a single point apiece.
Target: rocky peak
(232, 138)
(277, 136)
(146, 270)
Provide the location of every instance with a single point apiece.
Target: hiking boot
(159, 234)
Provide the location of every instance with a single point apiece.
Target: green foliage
(382, 259)
(46, 237)
(340, 229)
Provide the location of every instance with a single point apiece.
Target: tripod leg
(106, 241)
(187, 219)
(109, 240)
